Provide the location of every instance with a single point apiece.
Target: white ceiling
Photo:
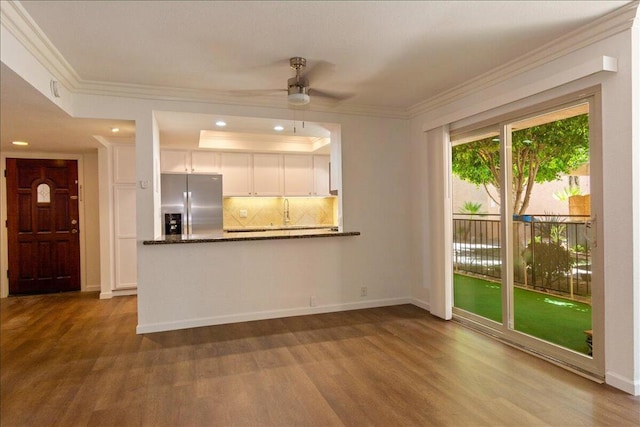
(387, 54)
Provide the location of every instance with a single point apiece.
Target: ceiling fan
(299, 92)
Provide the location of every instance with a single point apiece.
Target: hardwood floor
(73, 360)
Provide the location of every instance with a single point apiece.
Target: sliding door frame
(592, 366)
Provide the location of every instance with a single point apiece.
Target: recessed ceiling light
(115, 130)
(22, 143)
(221, 123)
(278, 128)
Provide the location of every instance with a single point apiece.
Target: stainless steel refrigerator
(191, 204)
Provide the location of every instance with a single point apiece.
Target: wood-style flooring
(74, 360)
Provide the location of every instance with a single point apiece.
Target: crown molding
(606, 26)
(260, 142)
(20, 24)
(236, 137)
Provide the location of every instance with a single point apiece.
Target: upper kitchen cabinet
(298, 175)
(321, 174)
(175, 161)
(255, 174)
(205, 162)
(182, 161)
(267, 175)
(237, 174)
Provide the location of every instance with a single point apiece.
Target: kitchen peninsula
(212, 283)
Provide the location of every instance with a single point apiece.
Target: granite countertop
(267, 234)
(241, 229)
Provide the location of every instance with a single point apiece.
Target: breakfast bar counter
(262, 234)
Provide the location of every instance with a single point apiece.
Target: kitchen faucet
(287, 219)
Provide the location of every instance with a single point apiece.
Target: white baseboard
(421, 303)
(262, 315)
(92, 288)
(124, 292)
(118, 293)
(622, 383)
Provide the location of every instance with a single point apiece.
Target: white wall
(617, 224)
(634, 115)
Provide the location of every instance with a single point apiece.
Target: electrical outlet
(312, 301)
(243, 213)
(363, 291)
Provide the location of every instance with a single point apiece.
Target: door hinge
(5, 173)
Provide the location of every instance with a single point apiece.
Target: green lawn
(551, 318)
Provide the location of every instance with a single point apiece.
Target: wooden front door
(43, 228)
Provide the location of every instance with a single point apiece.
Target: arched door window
(44, 193)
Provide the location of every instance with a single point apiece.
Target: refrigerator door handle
(190, 211)
(187, 208)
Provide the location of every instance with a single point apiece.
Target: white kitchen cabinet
(237, 174)
(124, 164)
(205, 162)
(184, 161)
(298, 175)
(172, 161)
(321, 171)
(124, 205)
(122, 225)
(267, 175)
(254, 174)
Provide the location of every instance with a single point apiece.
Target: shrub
(548, 261)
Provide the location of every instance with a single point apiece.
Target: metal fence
(550, 252)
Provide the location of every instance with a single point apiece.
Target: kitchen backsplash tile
(269, 211)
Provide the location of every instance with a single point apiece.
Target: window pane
(476, 225)
(44, 193)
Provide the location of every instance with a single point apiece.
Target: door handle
(591, 231)
(74, 231)
(74, 222)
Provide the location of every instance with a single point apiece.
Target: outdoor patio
(552, 274)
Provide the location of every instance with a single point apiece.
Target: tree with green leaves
(539, 154)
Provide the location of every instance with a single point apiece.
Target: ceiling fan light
(298, 91)
(298, 98)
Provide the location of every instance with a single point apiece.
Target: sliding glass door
(551, 207)
(524, 232)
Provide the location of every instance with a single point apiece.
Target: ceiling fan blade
(255, 92)
(338, 96)
(318, 70)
